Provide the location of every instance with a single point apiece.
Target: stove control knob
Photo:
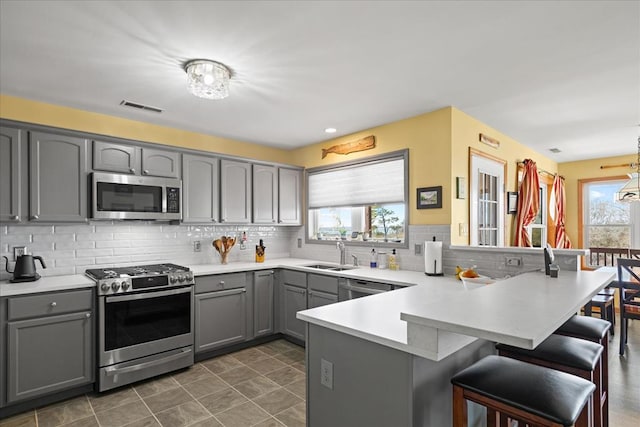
(173, 279)
(104, 287)
(115, 286)
(125, 286)
(181, 278)
(190, 277)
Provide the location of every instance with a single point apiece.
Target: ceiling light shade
(630, 192)
(207, 79)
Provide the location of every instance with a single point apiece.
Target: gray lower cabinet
(222, 311)
(200, 187)
(265, 194)
(318, 299)
(130, 159)
(235, 191)
(294, 300)
(289, 196)
(57, 178)
(263, 302)
(50, 343)
(11, 174)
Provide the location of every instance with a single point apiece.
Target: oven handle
(147, 295)
(111, 371)
(370, 291)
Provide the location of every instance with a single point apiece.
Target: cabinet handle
(53, 304)
(146, 172)
(35, 217)
(221, 282)
(132, 170)
(88, 315)
(16, 218)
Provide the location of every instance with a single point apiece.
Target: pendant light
(630, 192)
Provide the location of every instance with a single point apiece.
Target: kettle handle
(6, 264)
(39, 258)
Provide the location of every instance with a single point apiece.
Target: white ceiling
(562, 74)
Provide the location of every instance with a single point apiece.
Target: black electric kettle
(25, 268)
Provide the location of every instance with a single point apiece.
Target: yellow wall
(465, 134)
(585, 169)
(428, 139)
(19, 109)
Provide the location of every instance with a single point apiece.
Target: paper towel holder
(433, 255)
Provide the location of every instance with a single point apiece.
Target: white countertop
(440, 316)
(46, 284)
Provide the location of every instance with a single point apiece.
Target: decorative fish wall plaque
(351, 147)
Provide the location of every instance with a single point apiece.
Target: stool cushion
(551, 394)
(567, 351)
(585, 327)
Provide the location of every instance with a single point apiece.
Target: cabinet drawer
(220, 282)
(49, 304)
(321, 283)
(295, 278)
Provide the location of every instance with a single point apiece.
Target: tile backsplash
(71, 249)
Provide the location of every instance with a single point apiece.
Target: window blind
(373, 183)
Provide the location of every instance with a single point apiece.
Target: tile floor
(260, 386)
(263, 386)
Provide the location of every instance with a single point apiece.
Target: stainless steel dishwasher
(355, 288)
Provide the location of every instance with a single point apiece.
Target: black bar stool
(513, 389)
(571, 355)
(595, 330)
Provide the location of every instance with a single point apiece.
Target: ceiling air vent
(555, 150)
(126, 103)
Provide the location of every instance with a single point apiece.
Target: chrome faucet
(355, 260)
(340, 245)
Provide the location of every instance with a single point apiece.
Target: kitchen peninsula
(387, 359)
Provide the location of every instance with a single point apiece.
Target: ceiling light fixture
(330, 130)
(630, 192)
(207, 79)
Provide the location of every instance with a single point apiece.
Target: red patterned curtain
(562, 240)
(528, 202)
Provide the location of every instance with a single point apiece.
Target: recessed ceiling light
(330, 130)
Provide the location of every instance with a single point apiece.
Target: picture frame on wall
(429, 197)
(512, 202)
(461, 187)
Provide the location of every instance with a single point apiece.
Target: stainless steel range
(145, 322)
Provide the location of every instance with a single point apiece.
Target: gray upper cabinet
(235, 191)
(160, 163)
(57, 178)
(134, 160)
(263, 303)
(49, 352)
(116, 158)
(200, 187)
(265, 194)
(11, 168)
(290, 196)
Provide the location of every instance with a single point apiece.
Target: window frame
(400, 154)
(582, 200)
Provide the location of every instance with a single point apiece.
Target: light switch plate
(197, 247)
(19, 251)
(418, 249)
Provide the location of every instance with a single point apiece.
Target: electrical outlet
(19, 251)
(463, 229)
(418, 249)
(197, 247)
(513, 261)
(299, 243)
(326, 374)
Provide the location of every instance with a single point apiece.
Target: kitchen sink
(328, 267)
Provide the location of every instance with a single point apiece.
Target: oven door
(140, 324)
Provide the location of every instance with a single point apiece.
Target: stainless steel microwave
(116, 196)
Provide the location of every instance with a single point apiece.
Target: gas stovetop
(139, 278)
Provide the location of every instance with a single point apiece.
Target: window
(362, 201)
(608, 223)
(538, 228)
